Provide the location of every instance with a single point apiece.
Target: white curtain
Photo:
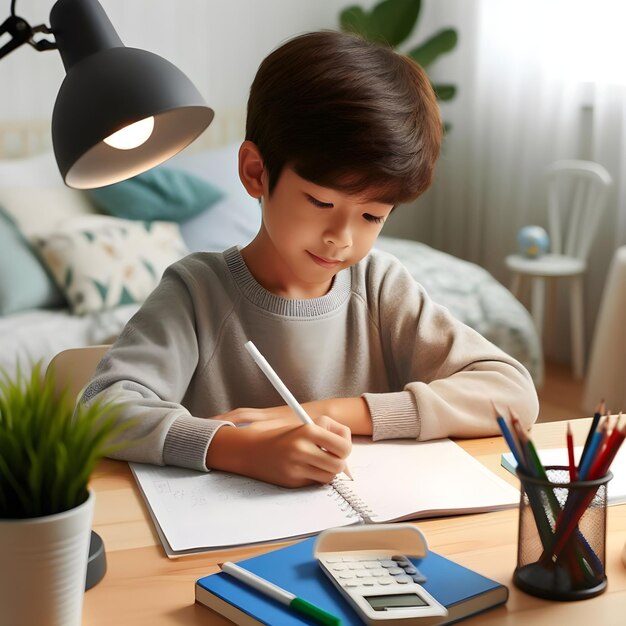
(538, 80)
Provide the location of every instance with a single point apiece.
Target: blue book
(462, 591)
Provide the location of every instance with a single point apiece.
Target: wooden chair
(74, 367)
(577, 193)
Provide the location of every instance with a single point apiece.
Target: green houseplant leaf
(445, 92)
(391, 22)
(48, 447)
(354, 20)
(395, 19)
(429, 51)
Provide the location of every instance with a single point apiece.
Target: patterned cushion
(100, 262)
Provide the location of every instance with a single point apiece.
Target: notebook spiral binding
(342, 491)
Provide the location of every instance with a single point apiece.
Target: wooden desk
(143, 587)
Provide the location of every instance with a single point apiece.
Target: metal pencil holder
(562, 534)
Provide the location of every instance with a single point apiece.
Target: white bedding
(39, 334)
(467, 290)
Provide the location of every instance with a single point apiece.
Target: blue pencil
(600, 409)
(511, 443)
(590, 455)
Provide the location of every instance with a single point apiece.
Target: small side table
(606, 376)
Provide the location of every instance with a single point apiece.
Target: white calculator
(369, 565)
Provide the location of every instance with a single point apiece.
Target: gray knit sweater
(181, 359)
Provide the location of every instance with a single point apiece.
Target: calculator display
(395, 601)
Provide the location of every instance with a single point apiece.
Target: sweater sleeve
(448, 376)
(148, 370)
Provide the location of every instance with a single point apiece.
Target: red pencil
(569, 518)
(573, 473)
(605, 457)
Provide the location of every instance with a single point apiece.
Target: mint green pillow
(160, 194)
(24, 281)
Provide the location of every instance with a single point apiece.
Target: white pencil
(280, 386)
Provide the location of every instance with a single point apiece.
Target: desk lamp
(119, 111)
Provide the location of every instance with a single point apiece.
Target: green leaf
(394, 20)
(445, 92)
(353, 20)
(429, 51)
(389, 22)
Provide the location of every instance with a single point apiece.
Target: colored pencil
(573, 473)
(510, 440)
(574, 509)
(592, 429)
(594, 447)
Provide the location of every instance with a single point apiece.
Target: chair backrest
(577, 194)
(73, 368)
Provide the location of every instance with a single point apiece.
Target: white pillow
(36, 171)
(32, 192)
(236, 218)
(101, 262)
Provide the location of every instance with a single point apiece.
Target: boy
(338, 132)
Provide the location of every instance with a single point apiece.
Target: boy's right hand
(281, 452)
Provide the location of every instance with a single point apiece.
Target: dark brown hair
(346, 114)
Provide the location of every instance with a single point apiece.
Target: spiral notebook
(393, 481)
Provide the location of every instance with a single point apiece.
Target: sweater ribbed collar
(253, 291)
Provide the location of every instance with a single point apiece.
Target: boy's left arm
(448, 376)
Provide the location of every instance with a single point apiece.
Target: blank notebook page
(407, 479)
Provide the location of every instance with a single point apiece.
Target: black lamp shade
(108, 87)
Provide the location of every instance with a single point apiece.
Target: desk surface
(143, 587)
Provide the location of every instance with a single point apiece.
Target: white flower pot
(43, 562)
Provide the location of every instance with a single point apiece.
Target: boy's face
(310, 233)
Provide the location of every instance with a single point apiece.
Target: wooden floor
(560, 398)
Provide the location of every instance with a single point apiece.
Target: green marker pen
(282, 596)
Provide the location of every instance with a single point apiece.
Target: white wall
(217, 43)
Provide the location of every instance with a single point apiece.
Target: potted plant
(391, 22)
(48, 450)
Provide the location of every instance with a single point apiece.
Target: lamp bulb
(131, 136)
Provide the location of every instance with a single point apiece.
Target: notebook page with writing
(195, 511)
(405, 480)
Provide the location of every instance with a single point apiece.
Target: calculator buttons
(339, 567)
(404, 579)
(354, 572)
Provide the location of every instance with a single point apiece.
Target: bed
(57, 291)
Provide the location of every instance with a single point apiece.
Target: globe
(533, 241)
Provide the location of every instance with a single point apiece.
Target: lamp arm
(22, 32)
